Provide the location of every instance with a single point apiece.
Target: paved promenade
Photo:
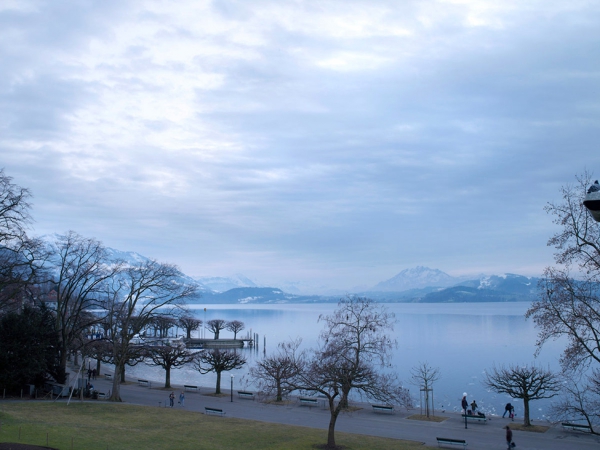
(363, 421)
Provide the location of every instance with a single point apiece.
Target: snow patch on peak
(415, 278)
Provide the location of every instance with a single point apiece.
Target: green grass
(102, 426)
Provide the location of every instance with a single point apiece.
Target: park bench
(189, 387)
(246, 394)
(108, 376)
(383, 408)
(144, 383)
(475, 417)
(101, 395)
(576, 427)
(449, 441)
(308, 401)
(216, 411)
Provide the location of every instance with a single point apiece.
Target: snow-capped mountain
(416, 278)
(129, 258)
(222, 284)
(417, 284)
(508, 282)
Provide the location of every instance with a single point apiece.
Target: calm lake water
(463, 340)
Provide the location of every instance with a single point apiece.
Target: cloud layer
(333, 142)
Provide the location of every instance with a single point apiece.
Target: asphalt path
(363, 420)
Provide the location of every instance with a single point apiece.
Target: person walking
(172, 399)
(182, 399)
(508, 409)
(509, 441)
(464, 404)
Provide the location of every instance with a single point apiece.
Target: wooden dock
(218, 343)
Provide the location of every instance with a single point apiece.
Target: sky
(326, 143)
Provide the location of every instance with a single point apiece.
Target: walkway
(363, 421)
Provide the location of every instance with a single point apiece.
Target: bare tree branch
(235, 326)
(527, 383)
(218, 361)
(354, 354)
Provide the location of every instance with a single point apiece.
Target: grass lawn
(105, 426)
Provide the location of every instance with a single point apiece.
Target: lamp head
(592, 201)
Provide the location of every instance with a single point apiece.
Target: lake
(463, 340)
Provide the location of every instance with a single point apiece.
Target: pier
(218, 343)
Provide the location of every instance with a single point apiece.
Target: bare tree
(162, 324)
(275, 373)
(527, 383)
(569, 298)
(354, 354)
(189, 324)
(215, 326)
(580, 399)
(218, 361)
(79, 269)
(235, 326)
(168, 356)
(137, 296)
(571, 307)
(20, 256)
(424, 376)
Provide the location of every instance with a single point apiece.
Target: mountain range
(413, 285)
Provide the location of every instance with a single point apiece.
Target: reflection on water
(463, 340)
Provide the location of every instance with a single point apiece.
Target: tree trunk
(279, 393)
(167, 377)
(526, 420)
(189, 333)
(331, 428)
(98, 366)
(121, 374)
(115, 395)
(218, 391)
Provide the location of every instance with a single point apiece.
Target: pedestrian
(172, 399)
(473, 406)
(509, 441)
(464, 404)
(508, 409)
(182, 398)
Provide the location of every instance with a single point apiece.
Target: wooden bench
(101, 395)
(576, 427)
(449, 441)
(144, 383)
(108, 376)
(246, 394)
(383, 408)
(216, 411)
(308, 401)
(189, 387)
(475, 417)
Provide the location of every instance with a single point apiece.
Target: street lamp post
(231, 388)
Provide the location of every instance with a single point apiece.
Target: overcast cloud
(333, 143)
